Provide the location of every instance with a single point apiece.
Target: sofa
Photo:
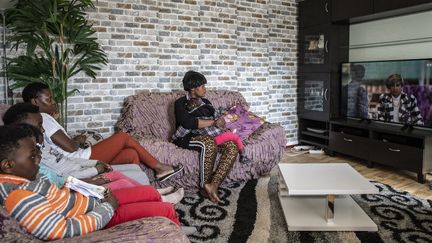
(149, 117)
(153, 229)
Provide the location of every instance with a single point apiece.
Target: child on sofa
(120, 148)
(51, 213)
(113, 180)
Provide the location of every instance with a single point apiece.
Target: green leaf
(59, 42)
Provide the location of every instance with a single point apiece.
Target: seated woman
(120, 148)
(190, 117)
(50, 213)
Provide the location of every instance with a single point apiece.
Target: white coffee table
(315, 197)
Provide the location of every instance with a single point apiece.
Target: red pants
(119, 181)
(120, 148)
(140, 202)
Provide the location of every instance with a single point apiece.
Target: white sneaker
(188, 230)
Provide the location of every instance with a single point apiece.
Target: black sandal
(176, 169)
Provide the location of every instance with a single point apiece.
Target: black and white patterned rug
(250, 212)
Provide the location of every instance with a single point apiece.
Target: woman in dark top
(195, 124)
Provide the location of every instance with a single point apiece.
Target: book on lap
(85, 188)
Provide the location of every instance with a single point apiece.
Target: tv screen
(389, 91)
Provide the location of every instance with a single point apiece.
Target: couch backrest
(3, 109)
(151, 114)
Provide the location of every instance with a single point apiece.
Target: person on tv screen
(398, 106)
(356, 94)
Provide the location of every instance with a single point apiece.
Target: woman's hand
(101, 167)
(80, 139)
(220, 122)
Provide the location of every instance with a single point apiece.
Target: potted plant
(59, 43)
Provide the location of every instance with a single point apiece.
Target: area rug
(250, 212)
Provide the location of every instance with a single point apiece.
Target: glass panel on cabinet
(313, 95)
(314, 49)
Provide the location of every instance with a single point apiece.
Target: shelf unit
(383, 144)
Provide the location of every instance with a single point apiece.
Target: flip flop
(176, 169)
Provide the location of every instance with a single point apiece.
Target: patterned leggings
(208, 149)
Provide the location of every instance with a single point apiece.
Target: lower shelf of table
(307, 213)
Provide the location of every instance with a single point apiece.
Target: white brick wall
(244, 45)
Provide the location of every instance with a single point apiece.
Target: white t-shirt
(51, 126)
(396, 107)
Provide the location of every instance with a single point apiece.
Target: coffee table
(316, 197)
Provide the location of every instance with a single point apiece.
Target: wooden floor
(401, 180)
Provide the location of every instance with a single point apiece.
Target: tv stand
(407, 127)
(407, 149)
(368, 121)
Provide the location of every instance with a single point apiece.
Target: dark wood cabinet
(383, 144)
(322, 46)
(343, 10)
(314, 12)
(386, 5)
(354, 11)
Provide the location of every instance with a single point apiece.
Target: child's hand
(109, 198)
(97, 180)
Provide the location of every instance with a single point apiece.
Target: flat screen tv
(398, 91)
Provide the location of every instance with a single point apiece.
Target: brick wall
(244, 45)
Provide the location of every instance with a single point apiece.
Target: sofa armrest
(154, 229)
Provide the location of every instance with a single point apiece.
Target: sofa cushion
(151, 114)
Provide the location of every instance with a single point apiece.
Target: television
(397, 91)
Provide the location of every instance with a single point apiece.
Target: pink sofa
(149, 116)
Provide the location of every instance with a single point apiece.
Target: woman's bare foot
(212, 192)
(174, 197)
